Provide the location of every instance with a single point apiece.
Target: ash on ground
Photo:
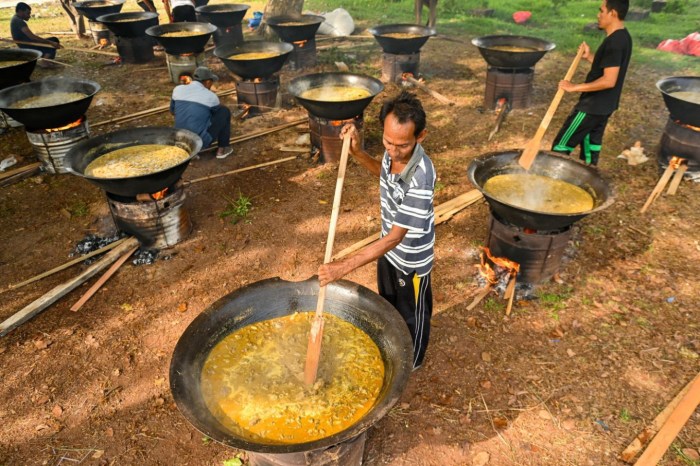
(93, 243)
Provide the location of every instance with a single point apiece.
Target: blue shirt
(192, 105)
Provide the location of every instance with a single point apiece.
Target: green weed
(78, 209)
(439, 186)
(678, 450)
(238, 209)
(206, 440)
(493, 305)
(625, 415)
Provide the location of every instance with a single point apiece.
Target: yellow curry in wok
(253, 380)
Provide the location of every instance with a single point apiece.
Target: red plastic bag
(521, 17)
(691, 44)
(671, 45)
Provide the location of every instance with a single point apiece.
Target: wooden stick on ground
(43, 302)
(479, 297)
(239, 170)
(56, 62)
(677, 178)
(437, 95)
(658, 189)
(313, 351)
(673, 425)
(533, 147)
(510, 293)
(17, 171)
(67, 264)
(264, 132)
(649, 431)
(103, 279)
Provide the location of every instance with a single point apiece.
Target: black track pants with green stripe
(585, 130)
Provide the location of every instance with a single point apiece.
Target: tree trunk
(276, 8)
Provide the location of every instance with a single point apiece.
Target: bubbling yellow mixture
(252, 380)
(512, 48)
(253, 55)
(539, 193)
(401, 35)
(688, 96)
(8, 63)
(49, 100)
(182, 34)
(136, 161)
(336, 93)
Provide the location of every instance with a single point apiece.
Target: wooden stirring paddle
(533, 147)
(313, 351)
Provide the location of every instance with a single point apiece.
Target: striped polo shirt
(407, 201)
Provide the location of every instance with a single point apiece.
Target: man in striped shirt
(404, 253)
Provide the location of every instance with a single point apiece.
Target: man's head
(612, 11)
(205, 76)
(23, 10)
(403, 119)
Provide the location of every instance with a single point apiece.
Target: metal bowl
(681, 110)
(80, 156)
(334, 110)
(92, 9)
(402, 46)
(222, 15)
(186, 44)
(506, 59)
(251, 69)
(20, 73)
(550, 164)
(273, 298)
(129, 24)
(296, 32)
(53, 116)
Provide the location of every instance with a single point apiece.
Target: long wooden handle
(53, 46)
(313, 351)
(530, 152)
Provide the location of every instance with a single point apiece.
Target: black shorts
(585, 130)
(184, 13)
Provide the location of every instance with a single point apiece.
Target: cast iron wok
(401, 46)
(250, 69)
(182, 45)
(681, 110)
(334, 110)
(272, 298)
(92, 9)
(222, 15)
(550, 164)
(20, 73)
(297, 32)
(80, 156)
(132, 24)
(505, 59)
(53, 116)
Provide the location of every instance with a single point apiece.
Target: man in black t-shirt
(600, 93)
(21, 33)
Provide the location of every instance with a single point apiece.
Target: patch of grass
(678, 450)
(625, 415)
(78, 209)
(206, 440)
(642, 322)
(236, 210)
(439, 186)
(494, 305)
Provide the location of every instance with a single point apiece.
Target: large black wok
(92, 9)
(334, 110)
(250, 69)
(80, 156)
(132, 24)
(295, 32)
(272, 298)
(222, 15)
(550, 164)
(399, 46)
(182, 45)
(53, 116)
(681, 110)
(505, 59)
(17, 74)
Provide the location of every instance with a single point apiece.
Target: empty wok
(250, 69)
(507, 59)
(19, 73)
(273, 298)
(400, 46)
(92, 9)
(80, 156)
(185, 44)
(333, 110)
(295, 32)
(53, 116)
(129, 24)
(549, 164)
(681, 110)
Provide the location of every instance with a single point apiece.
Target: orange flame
(489, 273)
(160, 194)
(675, 162)
(685, 125)
(103, 43)
(300, 43)
(185, 79)
(257, 80)
(68, 126)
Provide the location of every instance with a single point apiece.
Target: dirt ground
(569, 379)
